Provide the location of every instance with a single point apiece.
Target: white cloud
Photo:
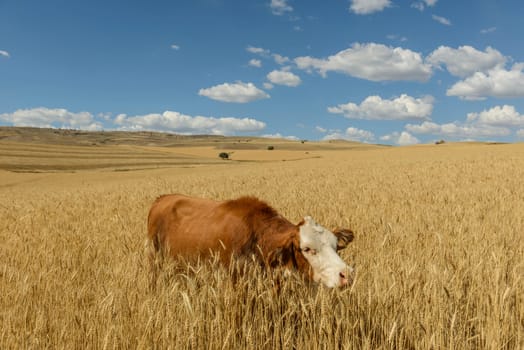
(520, 133)
(185, 124)
(396, 37)
(257, 50)
(280, 7)
(375, 108)
(284, 78)
(418, 5)
(280, 59)
(255, 63)
(483, 72)
(442, 20)
(175, 47)
(351, 134)
(496, 82)
(495, 122)
(280, 136)
(371, 61)
(466, 60)
(421, 5)
(321, 129)
(505, 116)
(238, 92)
(488, 30)
(268, 86)
(365, 7)
(407, 139)
(265, 53)
(4, 53)
(52, 118)
(458, 130)
(403, 139)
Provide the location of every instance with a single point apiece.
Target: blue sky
(377, 71)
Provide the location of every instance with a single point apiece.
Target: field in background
(439, 248)
(56, 150)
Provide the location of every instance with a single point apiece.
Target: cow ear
(344, 237)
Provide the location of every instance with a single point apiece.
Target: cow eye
(309, 251)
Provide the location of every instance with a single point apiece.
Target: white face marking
(319, 247)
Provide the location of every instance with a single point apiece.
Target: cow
(192, 227)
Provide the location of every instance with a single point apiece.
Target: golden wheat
(439, 254)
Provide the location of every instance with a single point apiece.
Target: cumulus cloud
(498, 116)
(483, 72)
(238, 92)
(441, 20)
(284, 78)
(466, 60)
(498, 121)
(280, 136)
(166, 122)
(371, 61)
(497, 82)
(280, 59)
(265, 53)
(257, 50)
(4, 53)
(421, 5)
(280, 7)
(403, 107)
(403, 138)
(488, 30)
(406, 138)
(351, 134)
(366, 7)
(255, 63)
(458, 130)
(52, 118)
(520, 133)
(175, 47)
(418, 5)
(185, 124)
(396, 37)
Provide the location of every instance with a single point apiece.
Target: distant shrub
(270, 148)
(440, 142)
(224, 155)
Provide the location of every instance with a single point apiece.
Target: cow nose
(343, 279)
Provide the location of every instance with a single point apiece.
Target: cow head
(317, 251)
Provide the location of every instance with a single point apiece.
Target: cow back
(191, 227)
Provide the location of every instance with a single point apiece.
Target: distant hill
(81, 137)
(146, 138)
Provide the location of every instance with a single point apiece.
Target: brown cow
(246, 227)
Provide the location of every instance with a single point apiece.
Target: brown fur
(244, 227)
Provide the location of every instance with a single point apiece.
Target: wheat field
(439, 255)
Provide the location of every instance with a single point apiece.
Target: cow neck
(275, 225)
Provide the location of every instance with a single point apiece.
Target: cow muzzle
(346, 277)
